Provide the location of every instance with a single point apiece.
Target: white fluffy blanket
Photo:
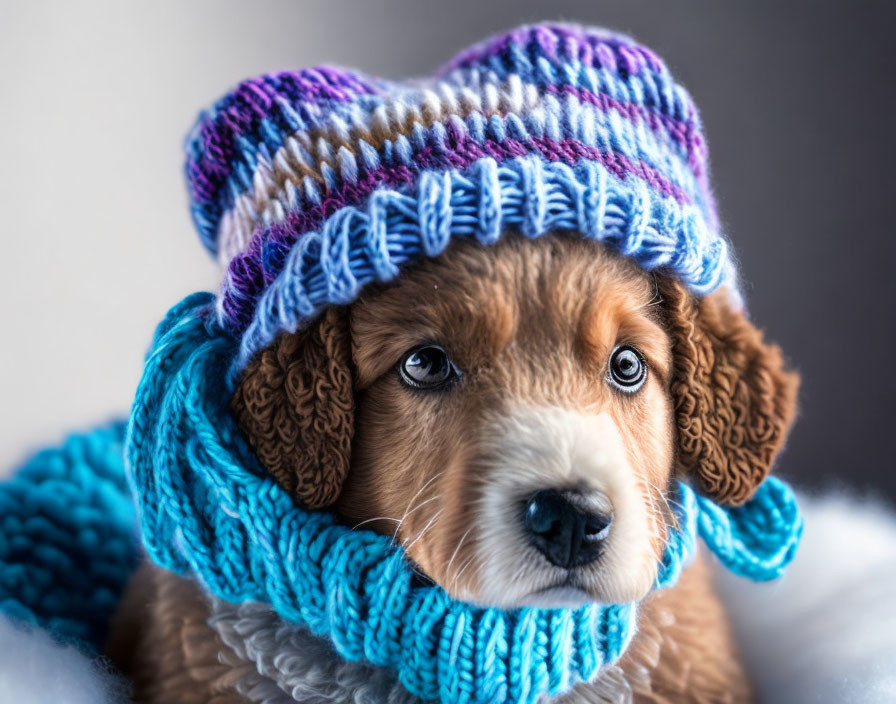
(826, 632)
(36, 670)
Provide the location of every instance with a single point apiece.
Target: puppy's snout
(565, 527)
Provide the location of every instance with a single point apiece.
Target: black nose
(563, 529)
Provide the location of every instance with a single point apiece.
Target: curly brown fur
(298, 411)
(734, 401)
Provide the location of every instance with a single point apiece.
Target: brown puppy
(515, 416)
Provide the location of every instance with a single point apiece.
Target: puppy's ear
(296, 406)
(734, 400)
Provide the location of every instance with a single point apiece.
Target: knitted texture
(309, 184)
(68, 542)
(207, 508)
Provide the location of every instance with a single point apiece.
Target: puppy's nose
(563, 528)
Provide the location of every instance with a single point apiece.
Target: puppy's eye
(427, 367)
(628, 370)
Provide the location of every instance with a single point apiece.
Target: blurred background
(797, 98)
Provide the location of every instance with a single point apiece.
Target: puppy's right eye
(427, 367)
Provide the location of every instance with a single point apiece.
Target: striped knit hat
(309, 184)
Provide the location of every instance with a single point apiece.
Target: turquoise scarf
(208, 509)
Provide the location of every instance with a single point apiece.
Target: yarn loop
(68, 540)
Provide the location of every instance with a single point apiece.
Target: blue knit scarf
(208, 509)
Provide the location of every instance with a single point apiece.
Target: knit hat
(309, 184)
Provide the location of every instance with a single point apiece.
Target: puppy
(515, 415)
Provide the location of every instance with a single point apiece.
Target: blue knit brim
(360, 245)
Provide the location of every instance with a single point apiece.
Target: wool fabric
(208, 509)
(68, 538)
(308, 185)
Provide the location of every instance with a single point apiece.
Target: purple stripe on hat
(215, 151)
(523, 53)
(252, 270)
(605, 50)
(686, 133)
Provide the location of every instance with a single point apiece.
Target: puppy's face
(514, 416)
(514, 422)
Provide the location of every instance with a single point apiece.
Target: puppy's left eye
(427, 367)
(627, 369)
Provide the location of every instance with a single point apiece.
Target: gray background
(798, 100)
